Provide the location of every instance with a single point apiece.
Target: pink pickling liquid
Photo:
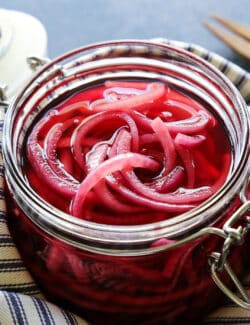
(126, 153)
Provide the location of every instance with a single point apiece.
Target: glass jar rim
(73, 229)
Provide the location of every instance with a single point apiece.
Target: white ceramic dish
(21, 36)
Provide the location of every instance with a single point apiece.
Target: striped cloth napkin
(21, 302)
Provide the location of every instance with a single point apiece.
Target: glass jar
(116, 272)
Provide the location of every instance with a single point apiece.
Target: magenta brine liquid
(127, 153)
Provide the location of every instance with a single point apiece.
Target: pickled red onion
(120, 162)
(195, 123)
(161, 131)
(50, 145)
(154, 91)
(39, 162)
(137, 147)
(80, 133)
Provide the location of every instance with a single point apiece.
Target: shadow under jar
(149, 264)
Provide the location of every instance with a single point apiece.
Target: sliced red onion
(50, 148)
(188, 163)
(142, 121)
(162, 132)
(173, 180)
(126, 84)
(132, 196)
(132, 151)
(75, 109)
(110, 200)
(121, 144)
(181, 107)
(96, 156)
(92, 122)
(192, 125)
(185, 196)
(189, 141)
(37, 158)
(117, 163)
(154, 92)
(40, 164)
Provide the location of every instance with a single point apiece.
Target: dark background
(73, 23)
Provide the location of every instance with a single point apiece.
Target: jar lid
(21, 36)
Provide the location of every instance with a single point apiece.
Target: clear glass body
(100, 270)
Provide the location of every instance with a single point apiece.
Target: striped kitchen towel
(21, 302)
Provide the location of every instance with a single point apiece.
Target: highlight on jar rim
(123, 149)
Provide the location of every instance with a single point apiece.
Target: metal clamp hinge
(219, 261)
(35, 62)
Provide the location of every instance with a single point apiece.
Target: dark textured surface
(73, 23)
